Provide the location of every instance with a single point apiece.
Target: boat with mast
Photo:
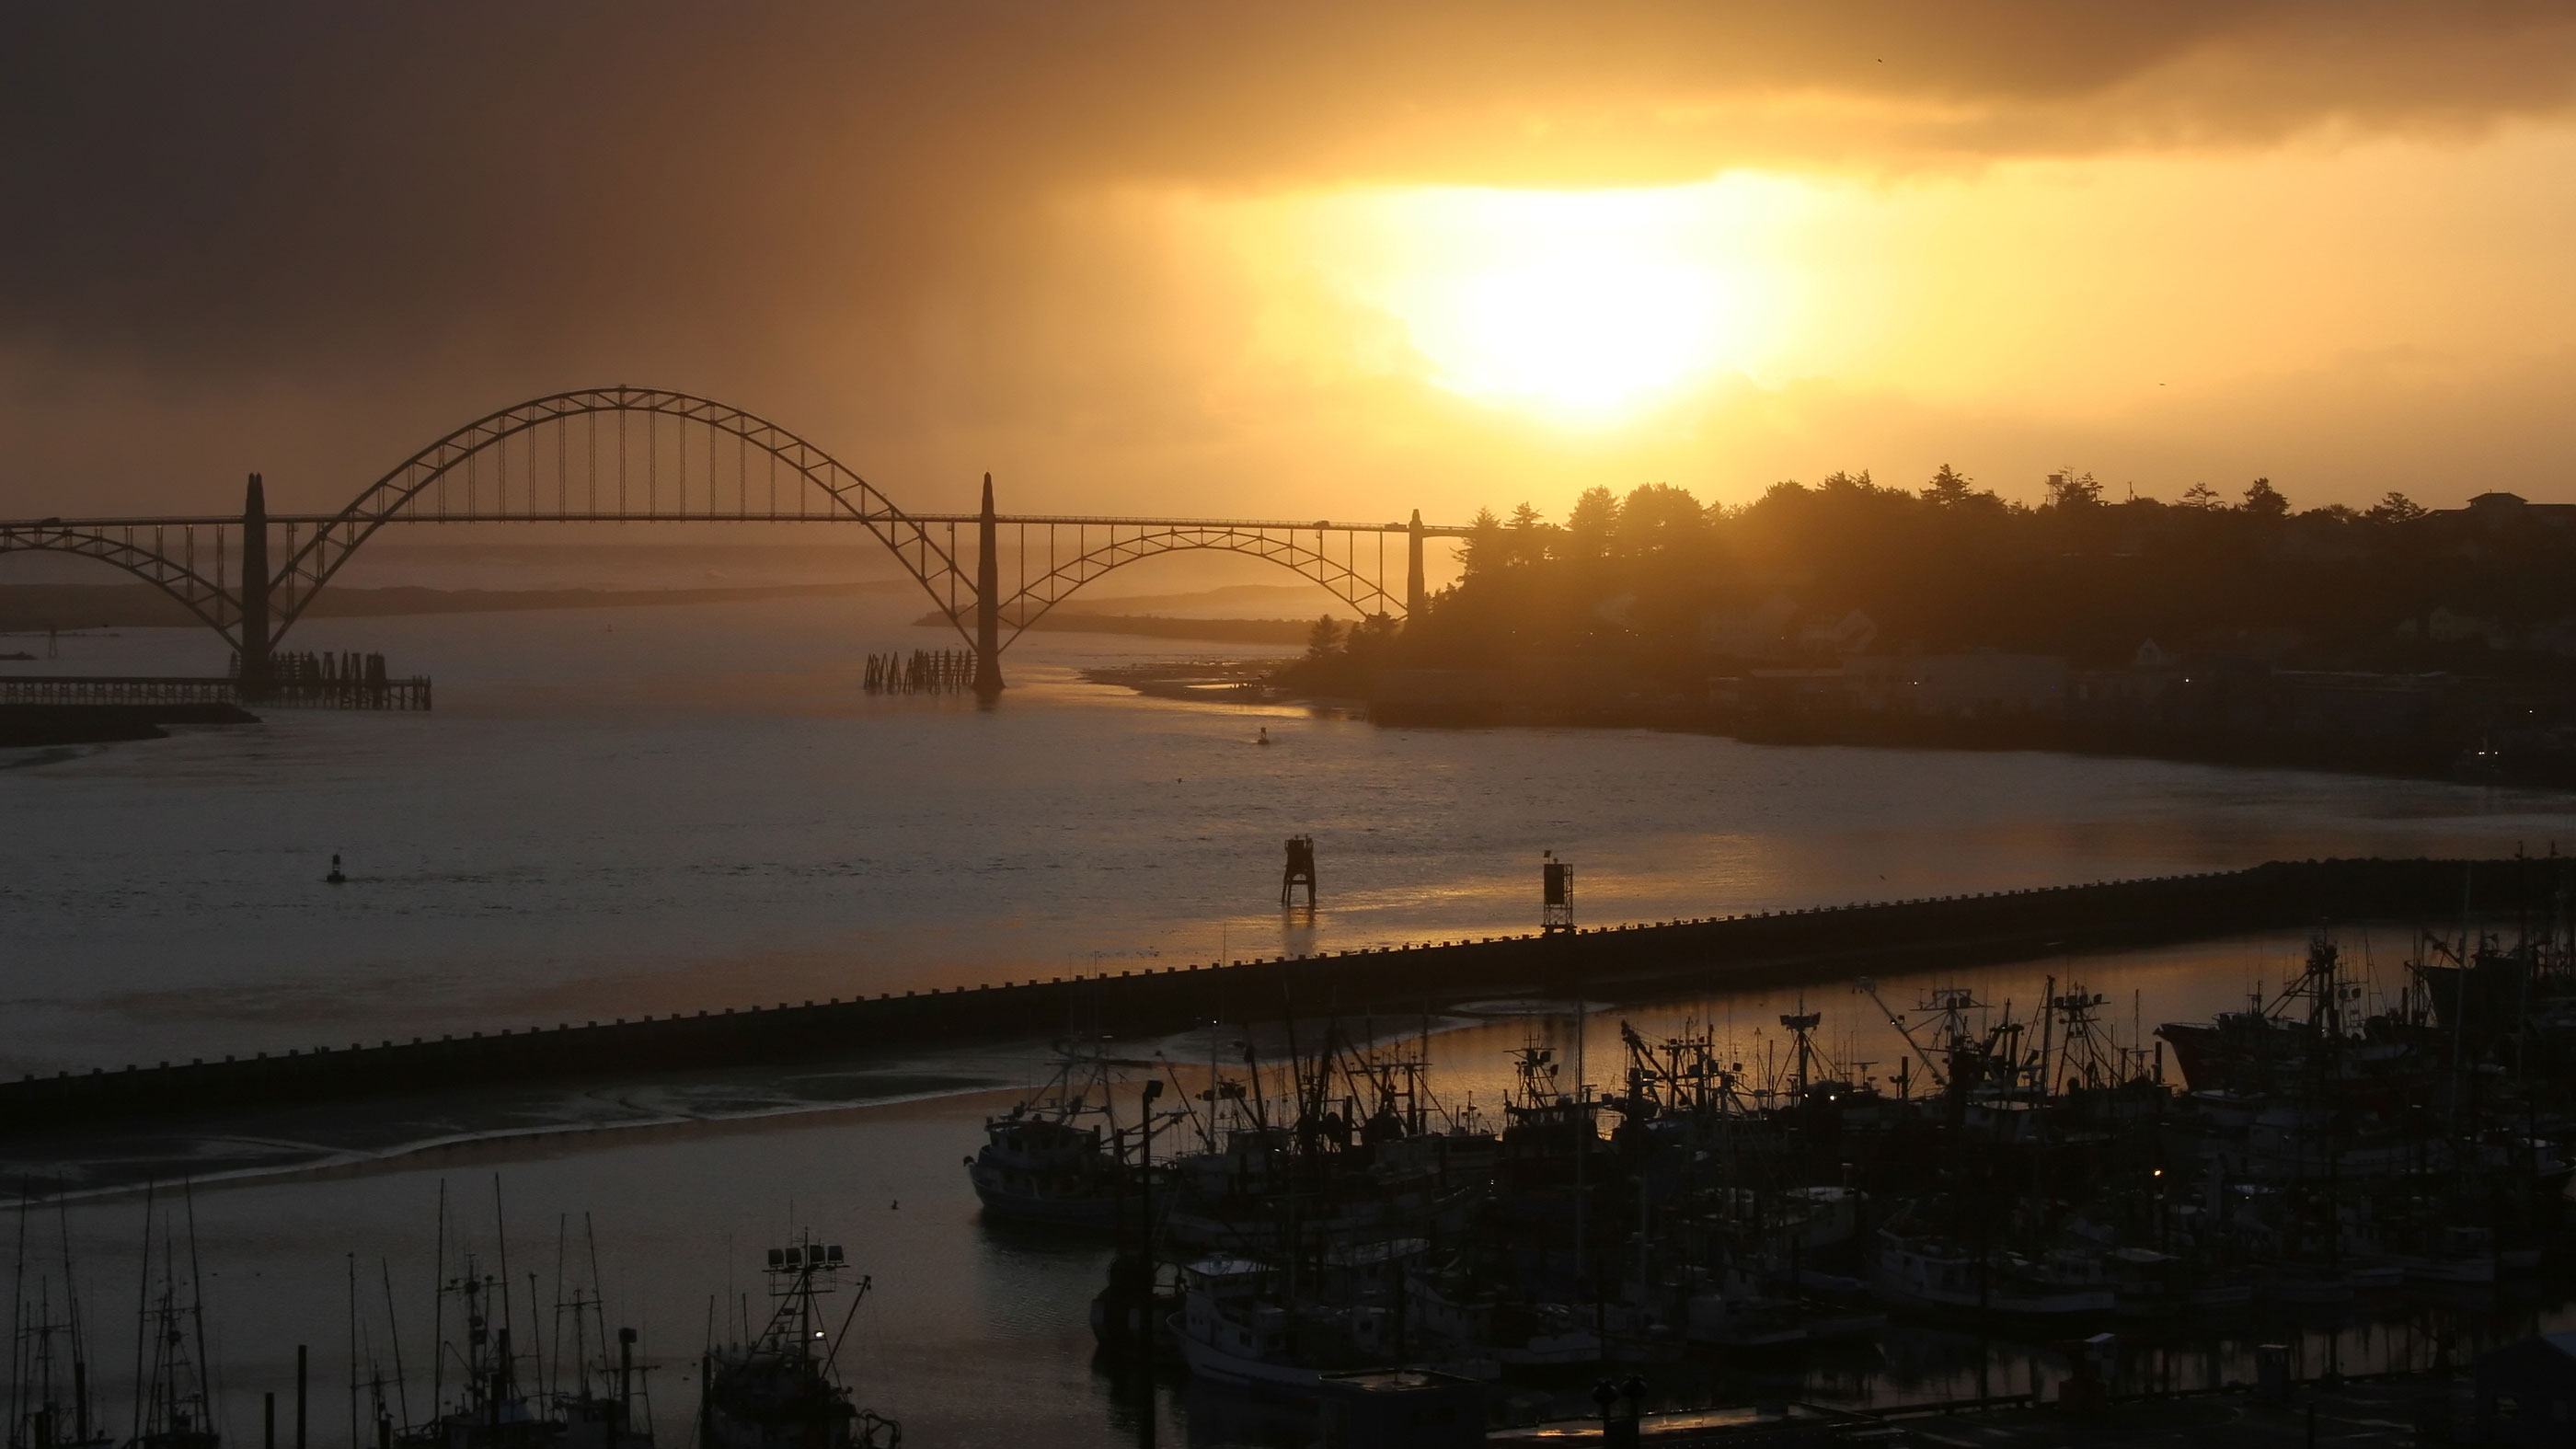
(782, 1388)
(491, 1408)
(50, 1405)
(1058, 1158)
(599, 1410)
(172, 1408)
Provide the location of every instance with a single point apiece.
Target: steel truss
(552, 460)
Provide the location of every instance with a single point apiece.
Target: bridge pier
(254, 594)
(1413, 568)
(988, 600)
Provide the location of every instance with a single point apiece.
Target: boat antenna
(437, 1310)
(18, 1315)
(143, 1308)
(581, 1383)
(71, 1315)
(591, 1233)
(393, 1331)
(832, 1355)
(354, 1440)
(197, 1303)
(501, 1241)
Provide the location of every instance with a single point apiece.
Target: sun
(1586, 305)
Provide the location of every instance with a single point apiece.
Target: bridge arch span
(420, 488)
(173, 572)
(499, 468)
(1347, 577)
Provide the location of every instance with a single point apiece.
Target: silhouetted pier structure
(1635, 961)
(923, 671)
(303, 692)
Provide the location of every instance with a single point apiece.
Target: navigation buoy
(1265, 736)
(335, 877)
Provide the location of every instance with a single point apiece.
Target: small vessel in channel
(783, 1389)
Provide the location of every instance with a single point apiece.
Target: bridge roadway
(1651, 960)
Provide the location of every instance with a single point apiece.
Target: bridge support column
(254, 593)
(988, 600)
(1413, 568)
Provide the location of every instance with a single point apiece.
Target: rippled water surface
(615, 812)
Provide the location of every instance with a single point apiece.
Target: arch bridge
(650, 455)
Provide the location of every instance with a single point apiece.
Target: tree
(1486, 547)
(2070, 489)
(2395, 508)
(1529, 531)
(1948, 488)
(2265, 501)
(1589, 526)
(2201, 496)
(1323, 639)
(1658, 518)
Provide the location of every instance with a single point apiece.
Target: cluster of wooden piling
(923, 671)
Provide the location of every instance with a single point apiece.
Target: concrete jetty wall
(1605, 963)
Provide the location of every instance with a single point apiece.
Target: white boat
(1930, 1273)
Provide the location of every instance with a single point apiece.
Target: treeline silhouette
(1667, 587)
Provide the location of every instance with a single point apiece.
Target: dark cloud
(207, 175)
(462, 198)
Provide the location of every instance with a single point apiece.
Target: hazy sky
(1280, 260)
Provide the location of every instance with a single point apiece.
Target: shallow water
(616, 812)
(641, 810)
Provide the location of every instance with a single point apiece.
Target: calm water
(647, 810)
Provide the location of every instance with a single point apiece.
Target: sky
(1297, 261)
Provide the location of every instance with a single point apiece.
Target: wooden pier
(1643, 960)
(410, 693)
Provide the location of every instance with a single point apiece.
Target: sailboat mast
(142, 1311)
(196, 1307)
(393, 1332)
(437, 1311)
(18, 1325)
(354, 1441)
(72, 1319)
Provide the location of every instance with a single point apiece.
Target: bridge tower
(254, 592)
(988, 600)
(1413, 568)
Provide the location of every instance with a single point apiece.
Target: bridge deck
(1049, 520)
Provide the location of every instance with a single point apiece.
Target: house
(2527, 1392)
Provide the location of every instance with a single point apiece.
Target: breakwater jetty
(1634, 961)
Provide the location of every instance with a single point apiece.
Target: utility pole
(254, 596)
(988, 601)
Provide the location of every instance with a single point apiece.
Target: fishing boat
(49, 1374)
(1059, 1157)
(172, 1408)
(782, 1388)
(490, 1408)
